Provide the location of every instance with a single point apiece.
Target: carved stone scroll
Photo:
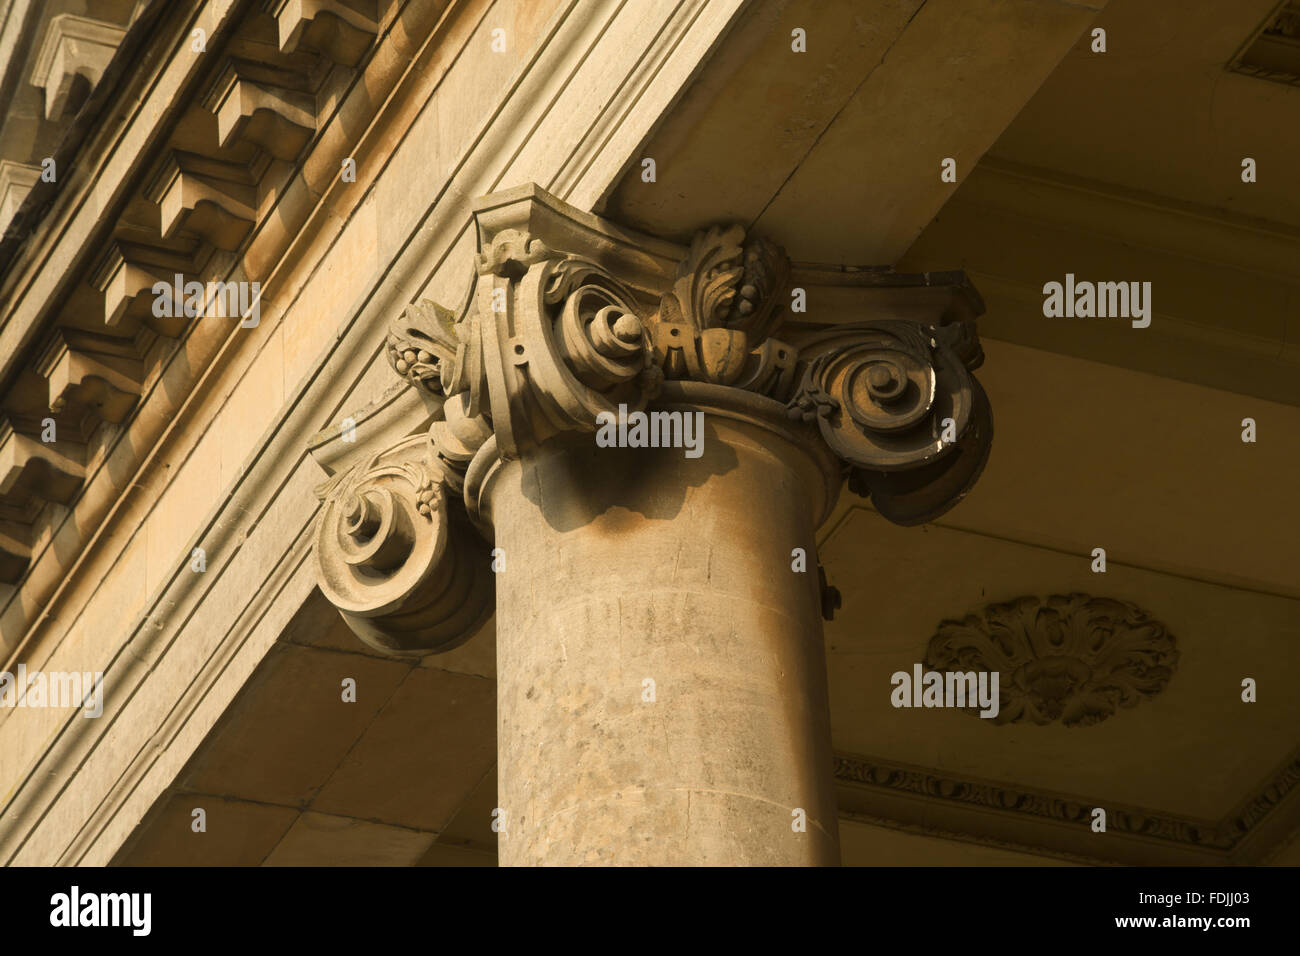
(388, 548)
(896, 401)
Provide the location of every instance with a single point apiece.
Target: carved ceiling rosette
(570, 317)
(1071, 658)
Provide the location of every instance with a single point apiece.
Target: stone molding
(572, 318)
(1215, 840)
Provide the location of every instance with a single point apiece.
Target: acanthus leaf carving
(424, 346)
(757, 308)
(725, 302)
(707, 277)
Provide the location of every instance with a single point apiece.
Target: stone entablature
(90, 348)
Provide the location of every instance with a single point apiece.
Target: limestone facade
(424, 455)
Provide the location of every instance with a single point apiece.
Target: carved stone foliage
(571, 317)
(550, 339)
(723, 306)
(1072, 658)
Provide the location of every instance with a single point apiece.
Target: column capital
(573, 321)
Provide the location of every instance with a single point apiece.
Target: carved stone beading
(571, 317)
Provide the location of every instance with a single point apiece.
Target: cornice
(130, 68)
(207, 203)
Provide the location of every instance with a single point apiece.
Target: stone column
(622, 438)
(662, 689)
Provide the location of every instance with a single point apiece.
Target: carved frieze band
(1223, 835)
(571, 317)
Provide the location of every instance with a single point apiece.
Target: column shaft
(631, 566)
